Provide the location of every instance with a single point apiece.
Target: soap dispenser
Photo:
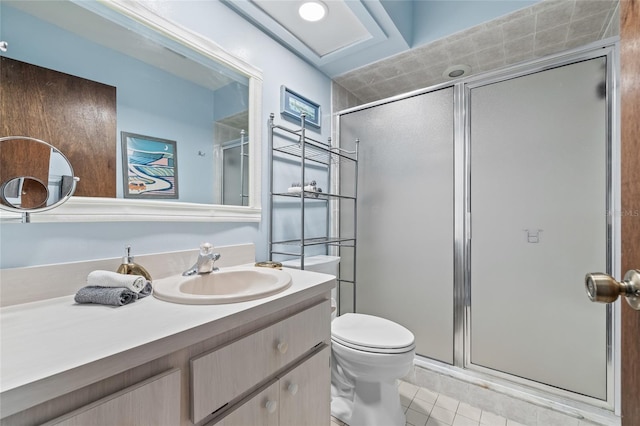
(129, 267)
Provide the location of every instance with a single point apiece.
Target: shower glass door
(538, 200)
(405, 267)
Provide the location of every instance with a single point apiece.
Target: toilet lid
(371, 333)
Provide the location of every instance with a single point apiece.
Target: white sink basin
(228, 285)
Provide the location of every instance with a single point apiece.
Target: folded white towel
(134, 283)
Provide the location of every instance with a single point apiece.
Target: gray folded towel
(106, 295)
(146, 290)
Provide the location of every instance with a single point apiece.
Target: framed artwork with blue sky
(149, 167)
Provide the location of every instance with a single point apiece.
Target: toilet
(368, 356)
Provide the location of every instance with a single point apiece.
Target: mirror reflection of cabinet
(24, 169)
(90, 35)
(76, 115)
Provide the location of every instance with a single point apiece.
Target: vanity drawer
(155, 401)
(222, 375)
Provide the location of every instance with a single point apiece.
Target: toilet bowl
(368, 355)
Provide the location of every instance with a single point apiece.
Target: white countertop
(45, 341)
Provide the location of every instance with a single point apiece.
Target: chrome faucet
(205, 263)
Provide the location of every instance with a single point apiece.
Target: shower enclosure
(235, 172)
(482, 205)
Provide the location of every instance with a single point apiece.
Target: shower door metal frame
(608, 49)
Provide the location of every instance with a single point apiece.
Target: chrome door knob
(605, 289)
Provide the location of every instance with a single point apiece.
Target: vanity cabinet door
(155, 401)
(301, 397)
(220, 376)
(261, 409)
(305, 392)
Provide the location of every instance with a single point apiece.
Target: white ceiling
(339, 29)
(355, 33)
(350, 28)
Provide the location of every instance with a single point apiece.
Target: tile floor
(427, 408)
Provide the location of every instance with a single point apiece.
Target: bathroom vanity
(153, 362)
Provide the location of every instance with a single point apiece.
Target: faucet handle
(206, 249)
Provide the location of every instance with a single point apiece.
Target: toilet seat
(371, 334)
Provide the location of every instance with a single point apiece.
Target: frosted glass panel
(538, 223)
(405, 216)
(232, 194)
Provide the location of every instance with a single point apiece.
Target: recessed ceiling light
(312, 11)
(456, 71)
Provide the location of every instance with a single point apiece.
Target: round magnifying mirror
(34, 175)
(24, 192)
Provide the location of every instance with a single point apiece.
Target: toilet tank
(321, 263)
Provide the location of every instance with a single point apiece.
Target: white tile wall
(548, 27)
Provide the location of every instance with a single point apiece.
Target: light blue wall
(230, 100)
(36, 244)
(401, 13)
(150, 101)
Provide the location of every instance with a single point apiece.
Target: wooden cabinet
(153, 402)
(220, 376)
(299, 397)
(227, 377)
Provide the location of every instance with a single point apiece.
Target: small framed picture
(292, 105)
(150, 167)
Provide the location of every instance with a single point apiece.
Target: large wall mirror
(183, 136)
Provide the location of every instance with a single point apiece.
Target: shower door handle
(605, 289)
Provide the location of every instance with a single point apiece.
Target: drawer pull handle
(271, 406)
(283, 347)
(292, 388)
